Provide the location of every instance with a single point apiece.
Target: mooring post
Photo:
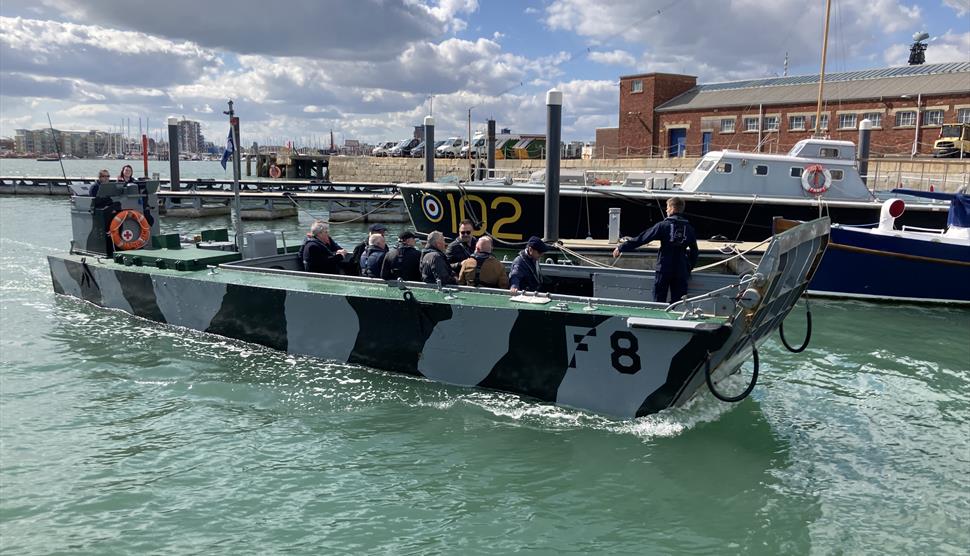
(173, 154)
(865, 131)
(553, 134)
(428, 148)
(490, 173)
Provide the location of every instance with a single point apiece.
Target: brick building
(671, 115)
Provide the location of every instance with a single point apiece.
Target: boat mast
(821, 77)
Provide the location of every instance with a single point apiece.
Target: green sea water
(121, 436)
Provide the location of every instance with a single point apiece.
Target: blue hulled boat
(884, 263)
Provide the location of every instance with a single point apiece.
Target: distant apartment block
(82, 144)
(191, 139)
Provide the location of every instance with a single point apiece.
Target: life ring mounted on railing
(816, 179)
(274, 171)
(125, 240)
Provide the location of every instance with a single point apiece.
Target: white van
(450, 148)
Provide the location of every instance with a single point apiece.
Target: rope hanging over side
(808, 331)
(747, 391)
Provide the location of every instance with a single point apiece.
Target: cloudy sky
(368, 68)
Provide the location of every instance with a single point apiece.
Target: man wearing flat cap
(525, 274)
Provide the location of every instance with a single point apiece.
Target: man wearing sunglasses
(464, 245)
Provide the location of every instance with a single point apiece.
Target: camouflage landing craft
(605, 350)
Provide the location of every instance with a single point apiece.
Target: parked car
(382, 148)
(418, 152)
(404, 147)
(477, 147)
(450, 148)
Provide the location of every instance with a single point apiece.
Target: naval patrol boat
(593, 341)
(732, 194)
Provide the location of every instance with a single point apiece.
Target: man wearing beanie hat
(403, 261)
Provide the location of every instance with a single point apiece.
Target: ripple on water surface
(118, 435)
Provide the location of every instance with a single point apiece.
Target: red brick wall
(607, 142)
(887, 140)
(638, 133)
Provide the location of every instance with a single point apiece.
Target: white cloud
(742, 38)
(961, 7)
(613, 57)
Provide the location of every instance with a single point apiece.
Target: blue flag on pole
(230, 147)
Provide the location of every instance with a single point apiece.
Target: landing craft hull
(514, 213)
(624, 360)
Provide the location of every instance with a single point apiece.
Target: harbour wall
(885, 173)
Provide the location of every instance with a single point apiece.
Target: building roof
(867, 84)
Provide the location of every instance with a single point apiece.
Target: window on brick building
(963, 116)
(796, 123)
(874, 117)
(933, 117)
(822, 124)
(771, 123)
(907, 118)
(636, 86)
(727, 125)
(847, 121)
(751, 124)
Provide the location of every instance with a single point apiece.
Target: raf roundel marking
(432, 207)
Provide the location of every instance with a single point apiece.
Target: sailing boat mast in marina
(821, 77)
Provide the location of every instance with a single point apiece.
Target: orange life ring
(810, 179)
(274, 171)
(124, 240)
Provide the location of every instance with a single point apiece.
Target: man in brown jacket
(482, 269)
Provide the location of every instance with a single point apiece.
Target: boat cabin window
(828, 152)
(796, 171)
(705, 165)
(836, 175)
(761, 170)
(723, 168)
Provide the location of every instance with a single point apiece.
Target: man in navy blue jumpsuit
(678, 251)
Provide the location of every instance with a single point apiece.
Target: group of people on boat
(468, 261)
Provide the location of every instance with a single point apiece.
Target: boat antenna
(821, 77)
(57, 148)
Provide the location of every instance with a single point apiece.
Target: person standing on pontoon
(678, 252)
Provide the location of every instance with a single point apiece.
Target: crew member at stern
(678, 251)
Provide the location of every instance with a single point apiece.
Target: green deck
(163, 262)
(186, 258)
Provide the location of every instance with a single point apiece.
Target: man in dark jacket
(463, 246)
(373, 256)
(525, 274)
(403, 261)
(434, 265)
(353, 265)
(678, 251)
(320, 252)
